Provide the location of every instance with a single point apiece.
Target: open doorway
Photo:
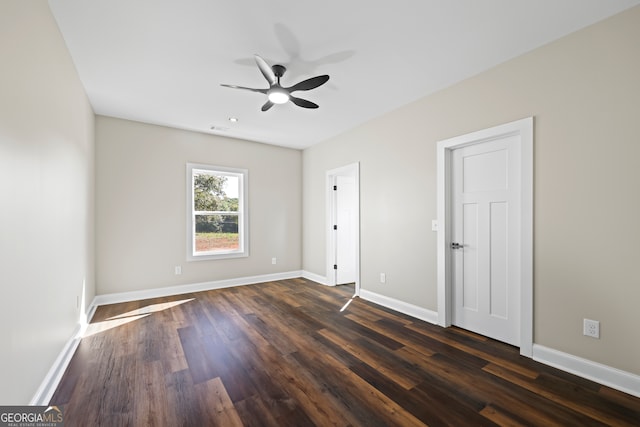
(343, 226)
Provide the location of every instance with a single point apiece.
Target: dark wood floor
(283, 354)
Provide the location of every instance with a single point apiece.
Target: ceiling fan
(277, 94)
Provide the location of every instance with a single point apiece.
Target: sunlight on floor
(128, 317)
(344, 307)
(151, 308)
(96, 328)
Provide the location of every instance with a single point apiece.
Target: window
(216, 212)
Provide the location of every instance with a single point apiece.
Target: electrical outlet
(178, 270)
(274, 261)
(591, 328)
(383, 278)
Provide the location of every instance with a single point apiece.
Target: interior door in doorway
(485, 240)
(346, 212)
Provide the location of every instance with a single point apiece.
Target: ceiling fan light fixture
(278, 95)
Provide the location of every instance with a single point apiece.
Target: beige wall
(584, 92)
(141, 206)
(46, 197)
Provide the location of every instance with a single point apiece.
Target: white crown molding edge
(400, 306)
(626, 382)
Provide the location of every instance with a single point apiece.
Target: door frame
(524, 129)
(352, 169)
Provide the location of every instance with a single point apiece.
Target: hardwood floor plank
(371, 311)
(254, 413)
(501, 360)
(173, 358)
(401, 375)
(366, 403)
(304, 319)
(394, 330)
(151, 403)
(233, 372)
(323, 408)
(111, 399)
(199, 367)
(486, 387)
(320, 409)
(502, 417)
(282, 353)
(183, 402)
(437, 346)
(216, 405)
(283, 295)
(273, 334)
(345, 324)
(580, 401)
(434, 408)
(628, 402)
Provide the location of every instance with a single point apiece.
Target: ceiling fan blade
(266, 70)
(267, 105)
(245, 88)
(308, 84)
(303, 102)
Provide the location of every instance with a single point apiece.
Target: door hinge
(335, 227)
(335, 266)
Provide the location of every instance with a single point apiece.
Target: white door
(485, 238)
(346, 212)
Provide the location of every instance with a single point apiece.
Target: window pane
(231, 191)
(215, 192)
(217, 233)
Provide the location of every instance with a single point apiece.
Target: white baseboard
(194, 287)
(315, 277)
(52, 379)
(602, 374)
(401, 306)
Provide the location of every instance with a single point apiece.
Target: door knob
(456, 245)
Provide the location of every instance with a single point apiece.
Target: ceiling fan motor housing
(279, 70)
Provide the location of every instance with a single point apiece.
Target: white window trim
(243, 213)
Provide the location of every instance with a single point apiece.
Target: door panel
(470, 263)
(485, 213)
(498, 260)
(346, 211)
(485, 171)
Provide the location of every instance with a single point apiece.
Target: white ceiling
(162, 61)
